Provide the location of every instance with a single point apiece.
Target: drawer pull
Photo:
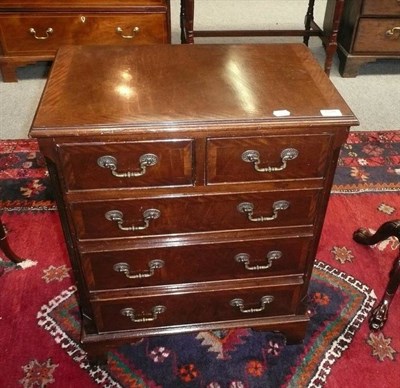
(245, 259)
(49, 31)
(252, 156)
(392, 31)
(247, 207)
(239, 303)
(155, 312)
(120, 31)
(110, 162)
(125, 269)
(118, 217)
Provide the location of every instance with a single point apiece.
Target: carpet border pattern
(102, 377)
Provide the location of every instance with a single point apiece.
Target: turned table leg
(307, 20)
(4, 246)
(186, 21)
(392, 228)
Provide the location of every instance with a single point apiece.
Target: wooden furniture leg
(392, 228)
(187, 18)
(4, 246)
(309, 18)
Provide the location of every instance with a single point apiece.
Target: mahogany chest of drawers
(192, 183)
(369, 30)
(33, 30)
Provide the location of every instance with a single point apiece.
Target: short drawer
(246, 159)
(197, 263)
(194, 214)
(45, 33)
(381, 7)
(378, 35)
(137, 164)
(192, 308)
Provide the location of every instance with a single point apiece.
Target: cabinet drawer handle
(245, 259)
(120, 31)
(110, 162)
(118, 217)
(49, 31)
(248, 207)
(239, 303)
(125, 269)
(252, 156)
(392, 31)
(155, 312)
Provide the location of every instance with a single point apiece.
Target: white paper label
(331, 112)
(281, 113)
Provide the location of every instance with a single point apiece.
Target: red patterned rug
(40, 322)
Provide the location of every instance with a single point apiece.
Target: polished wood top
(111, 87)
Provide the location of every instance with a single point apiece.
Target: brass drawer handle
(392, 31)
(239, 303)
(244, 258)
(118, 217)
(110, 162)
(120, 31)
(248, 208)
(155, 312)
(49, 31)
(252, 156)
(125, 269)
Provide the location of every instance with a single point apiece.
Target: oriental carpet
(40, 321)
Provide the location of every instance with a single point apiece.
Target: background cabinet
(369, 30)
(33, 30)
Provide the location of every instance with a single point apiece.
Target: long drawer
(45, 33)
(378, 35)
(202, 307)
(194, 214)
(195, 263)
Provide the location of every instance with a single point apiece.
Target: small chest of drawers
(192, 183)
(34, 30)
(369, 30)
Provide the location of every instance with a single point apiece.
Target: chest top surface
(124, 88)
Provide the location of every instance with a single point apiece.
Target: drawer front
(267, 158)
(378, 35)
(165, 163)
(197, 263)
(180, 309)
(44, 34)
(381, 7)
(163, 216)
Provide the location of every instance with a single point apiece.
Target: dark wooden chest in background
(369, 30)
(33, 30)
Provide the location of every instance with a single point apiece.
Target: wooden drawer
(232, 159)
(192, 214)
(196, 263)
(78, 29)
(372, 36)
(381, 7)
(181, 309)
(82, 168)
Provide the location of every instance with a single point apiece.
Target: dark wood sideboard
(192, 183)
(369, 31)
(33, 30)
